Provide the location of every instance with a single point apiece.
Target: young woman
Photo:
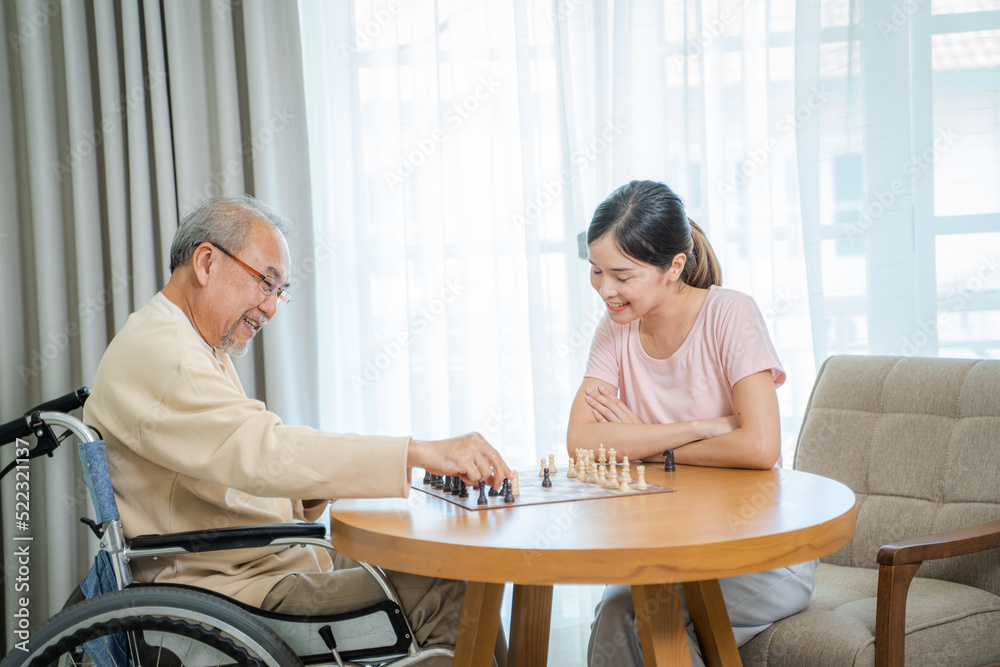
(677, 363)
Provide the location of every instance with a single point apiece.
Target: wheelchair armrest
(241, 537)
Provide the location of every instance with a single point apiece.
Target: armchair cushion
(840, 618)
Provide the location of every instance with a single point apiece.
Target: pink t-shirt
(727, 343)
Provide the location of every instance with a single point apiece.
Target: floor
(572, 613)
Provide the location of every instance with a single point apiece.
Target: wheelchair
(122, 622)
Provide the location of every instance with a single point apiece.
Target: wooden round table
(717, 523)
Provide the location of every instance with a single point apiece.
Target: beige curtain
(116, 118)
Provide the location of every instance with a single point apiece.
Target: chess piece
(427, 477)
(541, 470)
(624, 488)
(625, 466)
(668, 461)
(591, 472)
(612, 457)
(546, 481)
(438, 482)
(493, 492)
(641, 484)
(602, 477)
(463, 491)
(552, 464)
(447, 485)
(482, 494)
(515, 486)
(572, 468)
(508, 497)
(613, 476)
(581, 470)
(601, 455)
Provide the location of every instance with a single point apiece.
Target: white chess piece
(624, 488)
(572, 469)
(552, 464)
(515, 487)
(641, 484)
(541, 469)
(613, 476)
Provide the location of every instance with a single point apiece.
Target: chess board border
(562, 490)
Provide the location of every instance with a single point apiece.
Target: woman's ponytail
(702, 268)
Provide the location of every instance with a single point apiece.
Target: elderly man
(189, 451)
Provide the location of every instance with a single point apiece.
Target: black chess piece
(427, 477)
(447, 485)
(546, 480)
(456, 486)
(438, 481)
(482, 494)
(493, 492)
(463, 491)
(668, 461)
(508, 496)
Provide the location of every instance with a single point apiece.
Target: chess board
(563, 489)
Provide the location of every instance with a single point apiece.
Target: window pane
(961, 6)
(968, 277)
(966, 151)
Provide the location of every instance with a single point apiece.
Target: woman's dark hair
(647, 222)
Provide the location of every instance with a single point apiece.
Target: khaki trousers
(432, 606)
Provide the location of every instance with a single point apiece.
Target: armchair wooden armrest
(898, 562)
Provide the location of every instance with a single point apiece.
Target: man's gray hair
(227, 222)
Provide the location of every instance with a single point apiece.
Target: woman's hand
(608, 408)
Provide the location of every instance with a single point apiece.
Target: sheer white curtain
(455, 294)
(899, 181)
(841, 156)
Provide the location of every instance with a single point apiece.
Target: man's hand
(468, 456)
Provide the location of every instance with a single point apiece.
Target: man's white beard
(229, 345)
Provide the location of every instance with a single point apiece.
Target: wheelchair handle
(24, 425)
(14, 429)
(67, 403)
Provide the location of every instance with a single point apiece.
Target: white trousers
(754, 602)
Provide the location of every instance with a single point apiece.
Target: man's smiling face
(241, 307)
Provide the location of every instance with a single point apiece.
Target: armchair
(918, 440)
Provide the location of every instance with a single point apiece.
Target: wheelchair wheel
(154, 626)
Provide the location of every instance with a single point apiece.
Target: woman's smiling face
(628, 287)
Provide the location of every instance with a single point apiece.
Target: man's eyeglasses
(267, 284)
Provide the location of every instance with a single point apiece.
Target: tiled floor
(572, 613)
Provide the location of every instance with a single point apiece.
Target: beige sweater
(187, 450)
